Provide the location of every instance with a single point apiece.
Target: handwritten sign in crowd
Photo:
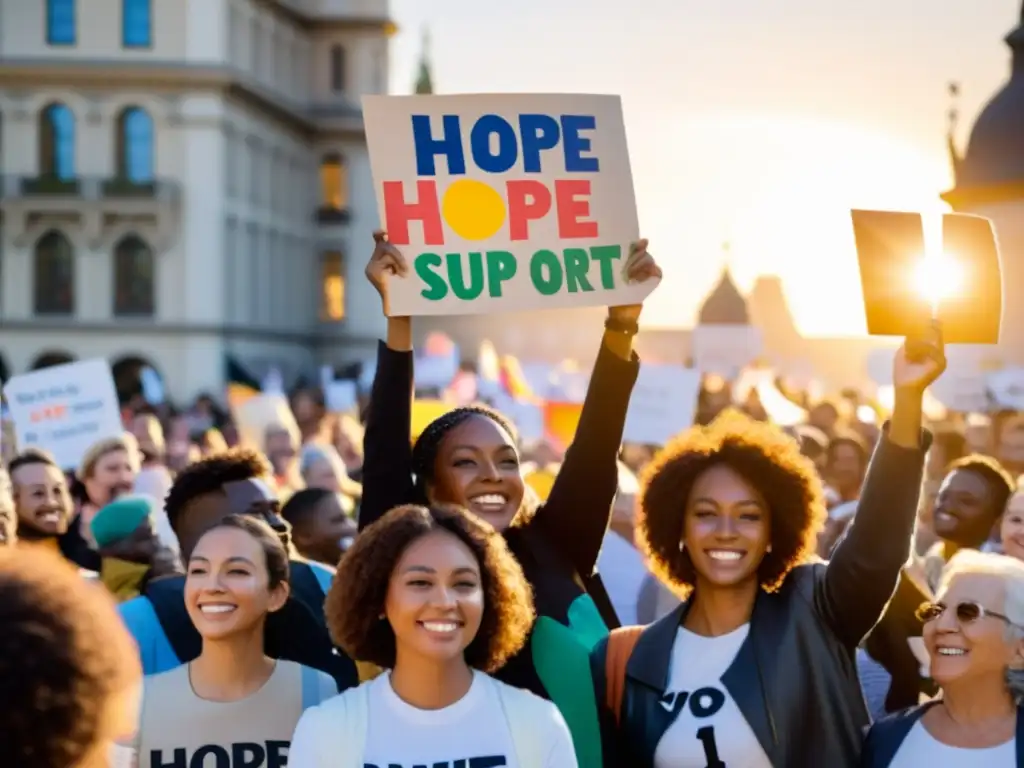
(504, 202)
(64, 409)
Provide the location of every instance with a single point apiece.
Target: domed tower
(989, 181)
(724, 341)
(725, 304)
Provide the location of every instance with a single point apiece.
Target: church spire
(424, 79)
(952, 119)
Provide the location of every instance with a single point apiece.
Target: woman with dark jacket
(757, 667)
(470, 457)
(974, 633)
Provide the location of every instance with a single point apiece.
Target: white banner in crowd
(504, 202)
(663, 403)
(969, 384)
(726, 350)
(64, 409)
(1007, 388)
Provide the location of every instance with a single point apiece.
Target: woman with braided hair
(470, 457)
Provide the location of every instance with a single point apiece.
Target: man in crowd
(42, 502)
(971, 501)
(320, 527)
(8, 517)
(236, 482)
(846, 464)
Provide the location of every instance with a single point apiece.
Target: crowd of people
(339, 595)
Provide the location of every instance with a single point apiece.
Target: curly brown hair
(64, 655)
(766, 458)
(356, 600)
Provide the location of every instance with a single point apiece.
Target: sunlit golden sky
(759, 123)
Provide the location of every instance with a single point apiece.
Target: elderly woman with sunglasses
(974, 633)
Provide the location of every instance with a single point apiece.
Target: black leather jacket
(794, 678)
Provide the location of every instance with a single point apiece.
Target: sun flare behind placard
(938, 277)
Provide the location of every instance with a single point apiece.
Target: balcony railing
(119, 187)
(50, 185)
(90, 188)
(327, 215)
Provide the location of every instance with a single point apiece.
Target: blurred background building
(989, 181)
(183, 183)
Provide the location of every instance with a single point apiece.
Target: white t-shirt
(709, 729)
(471, 733)
(921, 750)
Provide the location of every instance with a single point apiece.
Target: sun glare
(938, 277)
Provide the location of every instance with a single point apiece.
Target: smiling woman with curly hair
(434, 595)
(756, 666)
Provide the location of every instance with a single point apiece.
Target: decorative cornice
(307, 119)
(293, 12)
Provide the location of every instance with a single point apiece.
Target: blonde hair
(125, 442)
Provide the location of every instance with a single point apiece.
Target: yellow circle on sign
(474, 210)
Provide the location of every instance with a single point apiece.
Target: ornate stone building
(184, 183)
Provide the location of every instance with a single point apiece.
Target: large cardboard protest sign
(903, 290)
(504, 202)
(64, 409)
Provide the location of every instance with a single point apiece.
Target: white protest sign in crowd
(65, 409)
(726, 350)
(504, 202)
(663, 403)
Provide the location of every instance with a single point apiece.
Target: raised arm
(865, 565)
(577, 512)
(387, 451)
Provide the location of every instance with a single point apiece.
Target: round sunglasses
(966, 612)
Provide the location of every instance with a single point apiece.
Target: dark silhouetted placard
(973, 314)
(890, 245)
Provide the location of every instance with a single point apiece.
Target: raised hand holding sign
(506, 202)
(905, 287)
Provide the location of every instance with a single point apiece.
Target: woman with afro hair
(756, 668)
(433, 595)
(470, 457)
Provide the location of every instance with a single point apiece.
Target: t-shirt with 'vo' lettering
(178, 729)
(708, 731)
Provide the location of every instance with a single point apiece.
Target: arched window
(134, 287)
(57, 142)
(334, 182)
(130, 376)
(54, 268)
(134, 145)
(136, 24)
(51, 359)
